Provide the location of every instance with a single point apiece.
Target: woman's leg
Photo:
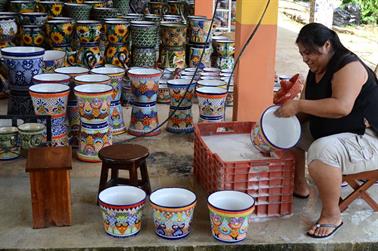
(328, 180)
(300, 184)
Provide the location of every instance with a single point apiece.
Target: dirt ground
(362, 40)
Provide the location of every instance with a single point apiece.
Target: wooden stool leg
(114, 176)
(145, 178)
(103, 178)
(133, 175)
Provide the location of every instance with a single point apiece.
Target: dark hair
(315, 35)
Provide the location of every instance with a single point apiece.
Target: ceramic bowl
(275, 133)
(145, 84)
(51, 78)
(121, 209)
(92, 79)
(229, 215)
(172, 212)
(53, 59)
(31, 135)
(9, 147)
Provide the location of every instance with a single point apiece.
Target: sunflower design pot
(52, 8)
(8, 26)
(32, 35)
(89, 55)
(173, 57)
(33, 18)
(118, 55)
(88, 31)
(22, 6)
(117, 31)
(59, 32)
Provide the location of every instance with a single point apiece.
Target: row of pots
(172, 212)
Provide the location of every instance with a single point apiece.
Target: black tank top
(365, 106)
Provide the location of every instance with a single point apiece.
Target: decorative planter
(89, 55)
(33, 18)
(32, 35)
(225, 48)
(173, 57)
(9, 148)
(177, 89)
(88, 31)
(122, 6)
(176, 7)
(117, 31)
(195, 52)
(144, 120)
(117, 55)
(145, 84)
(144, 34)
(8, 26)
(144, 57)
(199, 28)
(52, 8)
(172, 212)
(121, 209)
(23, 63)
(211, 103)
(31, 135)
(59, 32)
(94, 107)
(229, 215)
(51, 99)
(53, 59)
(22, 6)
(77, 11)
(158, 8)
(181, 121)
(173, 34)
(102, 13)
(52, 78)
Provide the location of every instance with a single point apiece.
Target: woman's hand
(289, 109)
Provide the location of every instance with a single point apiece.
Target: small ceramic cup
(51, 78)
(121, 209)
(229, 215)
(9, 147)
(53, 59)
(31, 135)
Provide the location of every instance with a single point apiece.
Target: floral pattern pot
(52, 8)
(23, 63)
(117, 55)
(181, 121)
(195, 55)
(8, 26)
(144, 120)
(226, 63)
(178, 88)
(225, 48)
(145, 84)
(199, 28)
(173, 57)
(117, 31)
(59, 32)
(9, 147)
(33, 18)
(173, 34)
(22, 6)
(89, 55)
(88, 31)
(211, 103)
(32, 35)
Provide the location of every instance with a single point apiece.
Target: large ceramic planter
(94, 108)
(53, 59)
(117, 32)
(23, 63)
(172, 212)
(199, 29)
(144, 34)
(144, 57)
(52, 8)
(211, 103)
(173, 34)
(116, 75)
(51, 99)
(173, 57)
(144, 120)
(32, 35)
(31, 135)
(145, 84)
(9, 148)
(195, 52)
(8, 26)
(121, 209)
(59, 32)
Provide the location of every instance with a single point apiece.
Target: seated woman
(339, 100)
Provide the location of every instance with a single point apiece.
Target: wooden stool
(360, 188)
(124, 157)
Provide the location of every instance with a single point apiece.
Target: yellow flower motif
(67, 28)
(95, 49)
(110, 52)
(56, 9)
(27, 39)
(90, 140)
(82, 29)
(84, 40)
(38, 40)
(112, 39)
(120, 30)
(56, 37)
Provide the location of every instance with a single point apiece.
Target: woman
(339, 100)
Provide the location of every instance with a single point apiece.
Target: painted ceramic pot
(32, 35)
(212, 83)
(52, 8)
(93, 137)
(20, 103)
(173, 57)
(117, 31)
(177, 90)
(9, 147)
(70, 57)
(225, 48)
(31, 135)
(225, 63)
(77, 11)
(116, 75)
(59, 32)
(172, 212)
(173, 34)
(121, 210)
(211, 103)
(23, 63)
(117, 55)
(51, 99)
(199, 28)
(181, 121)
(72, 71)
(163, 93)
(102, 13)
(195, 52)
(145, 84)
(92, 79)
(158, 8)
(229, 215)
(53, 59)
(96, 4)
(52, 78)
(116, 121)
(22, 6)
(122, 6)
(8, 26)
(94, 102)
(274, 133)
(33, 18)
(88, 31)
(144, 34)
(144, 57)
(144, 120)
(89, 55)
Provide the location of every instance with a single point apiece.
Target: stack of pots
(199, 27)
(117, 34)
(22, 64)
(225, 50)
(145, 84)
(173, 41)
(32, 33)
(144, 38)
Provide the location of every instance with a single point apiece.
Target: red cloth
(289, 90)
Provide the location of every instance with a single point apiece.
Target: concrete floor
(170, 165)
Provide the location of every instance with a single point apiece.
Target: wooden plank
(41, 158)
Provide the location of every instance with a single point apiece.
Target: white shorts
(350, 152)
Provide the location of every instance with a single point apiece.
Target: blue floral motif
(27, 64)
(36, 72)
(20, 76)
(11, 64)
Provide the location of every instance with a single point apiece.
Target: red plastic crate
(269, 181)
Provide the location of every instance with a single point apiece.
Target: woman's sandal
(334, 226)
